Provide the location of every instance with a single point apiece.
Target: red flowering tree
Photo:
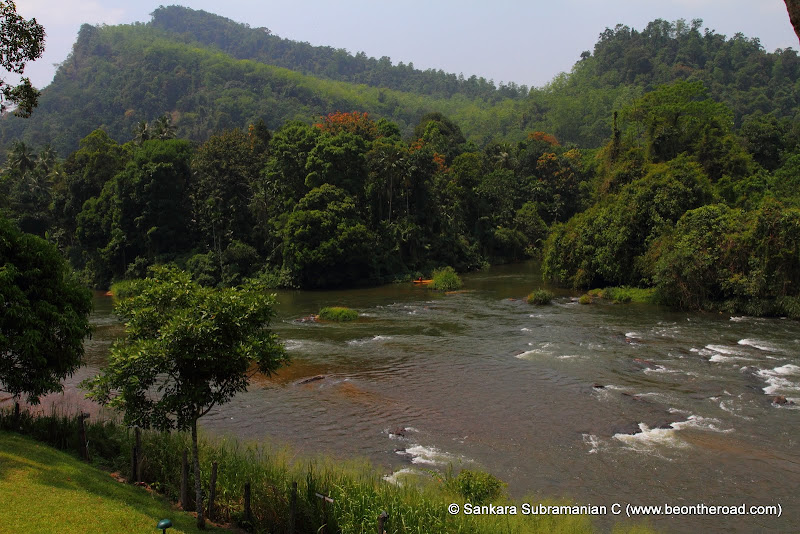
(353, 122)
(542, 136)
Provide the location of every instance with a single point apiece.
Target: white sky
(527, 42)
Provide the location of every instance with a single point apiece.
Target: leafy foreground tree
(20, 41)
(44, 318)
(188, 349)
(793, 7)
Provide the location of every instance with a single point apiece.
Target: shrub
(445, 279)
(123, 289)
(540, 296)
(585, 299)
(476, 487)
(630, 294)
(338, 313)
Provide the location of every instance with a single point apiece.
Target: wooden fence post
(138, 437)
(83, 446)
(137, 449)
(248, 513)
(293, 508)
(382, 522)
(325, 500)
(185, 482)
(212, 491)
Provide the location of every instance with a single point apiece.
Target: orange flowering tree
(353, 122)
(542, 136)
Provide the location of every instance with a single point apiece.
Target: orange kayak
(423, 281)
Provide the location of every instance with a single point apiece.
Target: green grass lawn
(43, 490)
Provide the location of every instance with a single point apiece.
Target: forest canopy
(232, 168)
(212, 74)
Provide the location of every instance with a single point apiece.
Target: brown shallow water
(479, 380)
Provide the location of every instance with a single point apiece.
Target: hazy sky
(527, 42)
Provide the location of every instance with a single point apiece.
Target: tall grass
(359, 492)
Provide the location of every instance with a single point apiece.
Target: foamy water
(652, 440)
(783, 380)
(760, 345)
(365, 340)
(536, 421)
(396, 477)
(427, 455)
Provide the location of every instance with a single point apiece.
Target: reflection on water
(598, 404)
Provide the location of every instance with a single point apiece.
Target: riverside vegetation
(540, 297)
(445, 279)
(686, 185)
(666, 163)
(338, 313)
(359, 492)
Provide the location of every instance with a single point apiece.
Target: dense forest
(345, 201)
(677, 167)
(242, 42)
(212, 74)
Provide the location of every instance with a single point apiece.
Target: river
(596, 404)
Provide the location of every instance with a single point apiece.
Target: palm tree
(46, 159)
(20, 158)
(141, 132)
(163, 128)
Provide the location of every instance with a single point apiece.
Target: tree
(187, 350)
(326, 244)
(441, 133)
(338, 160)
(86, 173)
(224, 170)
(355, 123)
(153, 208)
(20, 41)
(45, 315)
(793, 7)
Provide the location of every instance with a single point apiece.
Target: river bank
(483, 380)
(287, 493)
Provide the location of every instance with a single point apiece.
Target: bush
(476, 487)
(622, 295)
(445, 279)
(540, 296)
(338, 313)
(125, 289)
(204, 269)
(275, 278)
(585, 299)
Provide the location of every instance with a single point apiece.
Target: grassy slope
(70, 496)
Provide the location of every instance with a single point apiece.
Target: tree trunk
(198, 490)
(793, 7)
(391, 190)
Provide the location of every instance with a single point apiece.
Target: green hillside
(242, 42)
(212, 74)
(117, 76)
(674, 166)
